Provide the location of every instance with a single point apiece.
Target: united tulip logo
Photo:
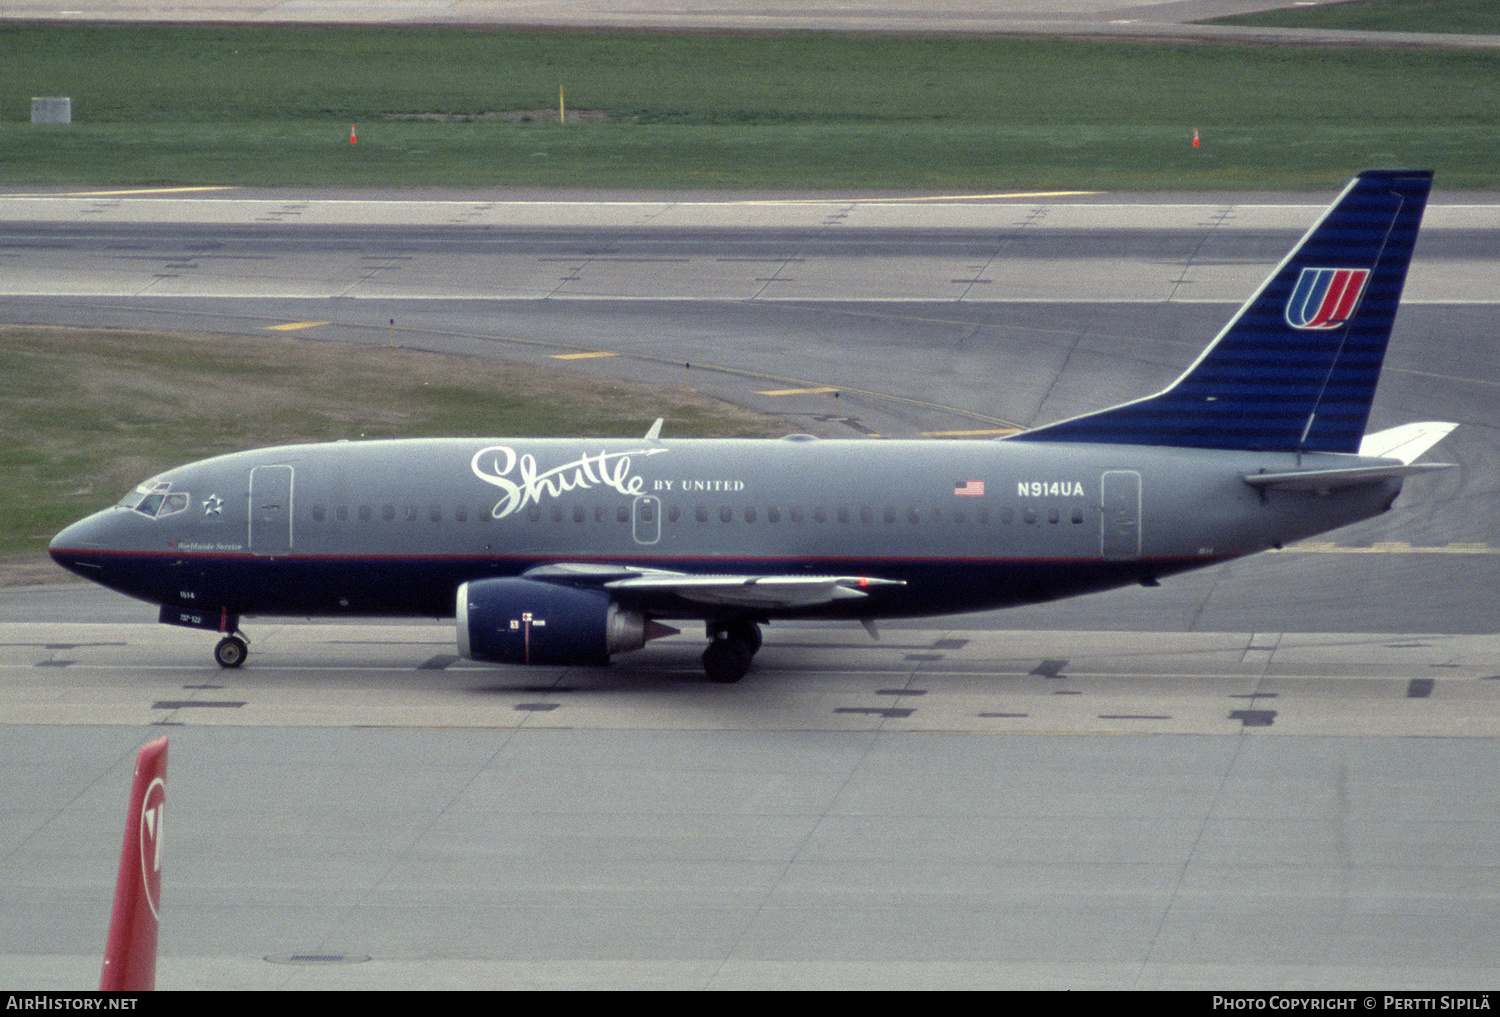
(1326, 297)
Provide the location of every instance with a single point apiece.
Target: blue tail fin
(1297, 367)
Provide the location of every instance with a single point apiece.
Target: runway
(1150, 20)
(1275, 774)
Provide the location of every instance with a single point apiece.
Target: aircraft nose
(78, 540)
(76, 536)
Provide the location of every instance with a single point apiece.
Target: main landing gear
(731, 647)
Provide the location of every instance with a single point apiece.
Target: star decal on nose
(212, 504)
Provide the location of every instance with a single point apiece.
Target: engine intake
(522, 621)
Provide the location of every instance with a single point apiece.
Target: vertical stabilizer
(1296, 369)
(130, 952)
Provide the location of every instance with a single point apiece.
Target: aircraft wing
(764, 592)
(746, 591)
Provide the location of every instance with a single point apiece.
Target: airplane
(567, 552)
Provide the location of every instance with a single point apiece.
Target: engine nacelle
(522, 621)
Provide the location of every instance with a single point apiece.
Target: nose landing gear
(231, 651)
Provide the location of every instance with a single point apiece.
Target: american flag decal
(968, 489)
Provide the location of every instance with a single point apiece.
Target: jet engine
(523, 621)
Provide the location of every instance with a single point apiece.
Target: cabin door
(646, 519)
(271, 510)
(1120, 520)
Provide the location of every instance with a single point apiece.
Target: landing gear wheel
(231, 651)
(746, 633)
(726, 661)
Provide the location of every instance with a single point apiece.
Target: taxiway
(1274, 774)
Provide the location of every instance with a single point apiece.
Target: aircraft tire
(726, 661)
(231, 652)
(746, 633)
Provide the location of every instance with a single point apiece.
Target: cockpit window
(156, 500)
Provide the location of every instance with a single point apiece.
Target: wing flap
(747, 591)
(763, 592)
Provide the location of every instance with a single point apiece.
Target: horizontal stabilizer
(1328, 480)
(1406, 443)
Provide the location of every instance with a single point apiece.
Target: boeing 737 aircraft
(564, 551)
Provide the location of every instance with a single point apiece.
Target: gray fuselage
(389, 528)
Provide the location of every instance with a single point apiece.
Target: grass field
(253, 105)
(87, 415)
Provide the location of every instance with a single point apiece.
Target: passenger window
(797, 514)
(673, 514)
(578, 514)
(388, 512)
(365, 514)
(701, 513)
(342, 513)
(319, 513)
(1053, 515)
(773, 515)
(622, 514)
(435, 513)
(866, 515)
(726, 514)
(1030, 515)
(890, 516)
(461, 513)
(1078, 514)
(749, 513)
(819, 515)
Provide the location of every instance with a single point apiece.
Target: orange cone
(354, 140)
(1195, 137)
